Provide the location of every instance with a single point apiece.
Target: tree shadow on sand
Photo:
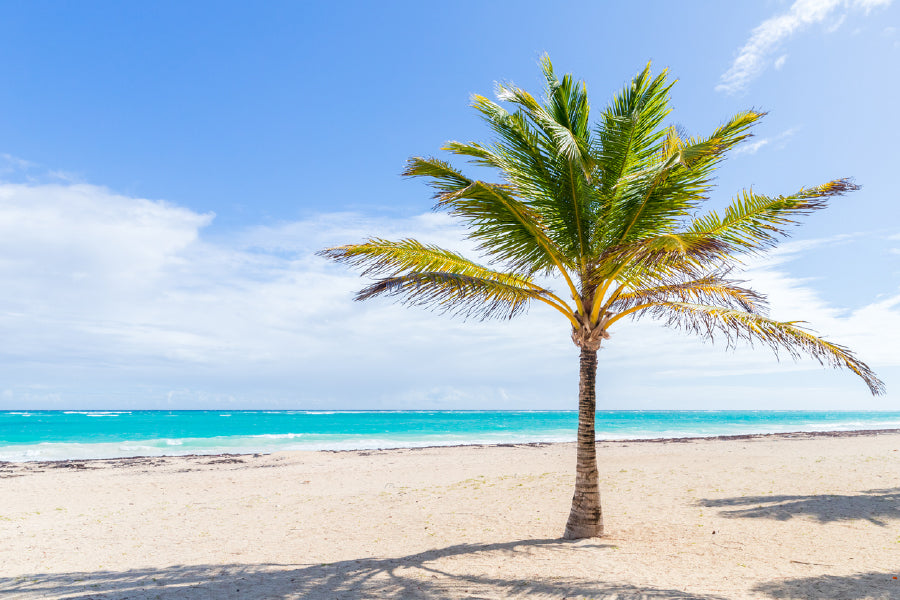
(875, 506)
(407, 577)
(862, 586)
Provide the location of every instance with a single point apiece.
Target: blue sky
(167, 171)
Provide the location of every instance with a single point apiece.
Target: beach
(776, 516)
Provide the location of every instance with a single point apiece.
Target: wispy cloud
(15, 169)
(894, 238)
(130, 295)
(13, 164)
(752, 147)
(754, 57)
(779, 141)
(869, 5)
(836, 24)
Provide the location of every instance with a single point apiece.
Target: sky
(168, 171)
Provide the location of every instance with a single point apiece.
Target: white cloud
(12, 164)
(836, 24)
(109, 293)
(779, 62)
(751, 147)
(779, 141)
(868, 5)
(117, 301)
(863, 329)
(753, 57)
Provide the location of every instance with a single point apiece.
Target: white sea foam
(98, 413)
(263, 444)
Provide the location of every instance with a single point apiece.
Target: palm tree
(608, 209)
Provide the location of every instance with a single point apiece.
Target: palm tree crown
(608, 207)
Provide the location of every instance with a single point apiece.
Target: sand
(788, 516)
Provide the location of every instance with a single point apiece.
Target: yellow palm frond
(422, 272)
(713, 289)
(735, 325)
(754, 222)
(460, 295)
(377, 257)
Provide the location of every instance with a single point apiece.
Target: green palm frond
(507, 230)
(554, 120)
(519, 153)
(459, 295)
(567, 100)
(560, 164)
(652, 199)
(754, 222)
(675, 183)
(788, 336)
(628, 134)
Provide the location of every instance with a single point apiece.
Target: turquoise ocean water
(60, 435)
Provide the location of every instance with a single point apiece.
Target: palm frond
(560, 164)
(377, 257)
(520, 153)
(713, 289)
(459, 295)
(645, 262)
(650, 200)
(754, 222)
(566, 100)
(628, 134)
(517, 136)
(675, 182)
(708, 321)
(507, 229)
(567, 143)
(700, 155)
(444, 178)
(555, 120)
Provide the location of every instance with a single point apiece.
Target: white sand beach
(784, 516)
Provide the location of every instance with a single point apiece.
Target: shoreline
(121, 461)
(59, 436)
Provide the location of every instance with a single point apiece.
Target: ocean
(63, 435)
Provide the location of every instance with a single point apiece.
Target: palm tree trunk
(586, 518)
